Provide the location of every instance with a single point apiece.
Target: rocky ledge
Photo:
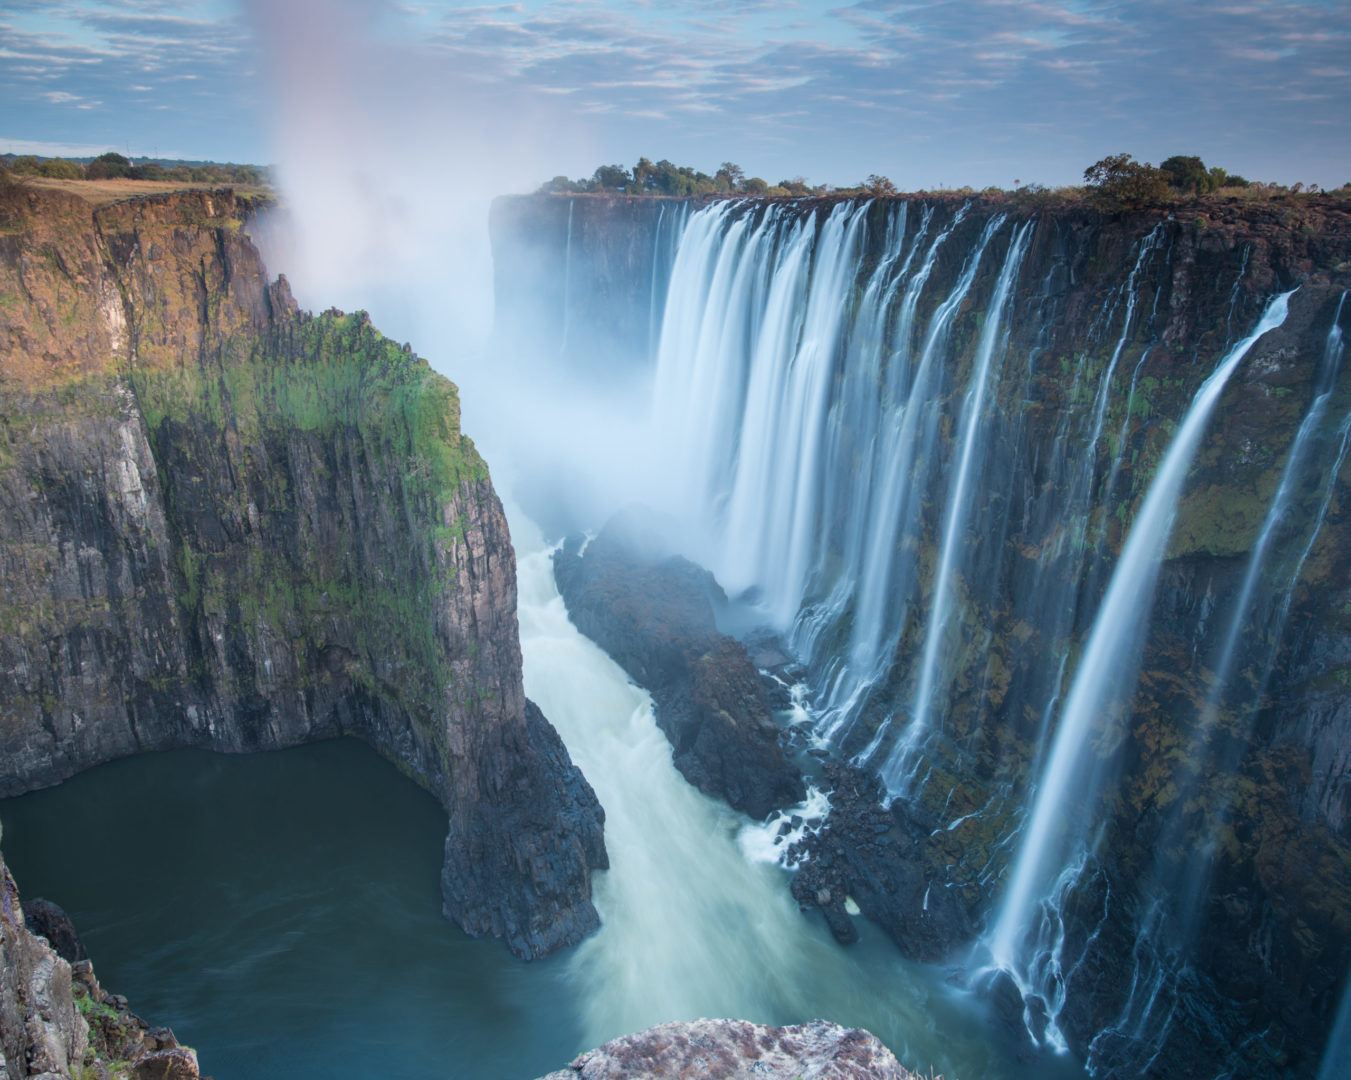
(56, 1022)
(653, 612)
(738, 1050)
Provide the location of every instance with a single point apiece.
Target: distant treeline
(1115, 181)
(114, 166)
(665, 178)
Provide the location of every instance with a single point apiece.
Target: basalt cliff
(229, 524)
(1050, 505)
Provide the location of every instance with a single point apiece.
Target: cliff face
(1215, 898)
(578, 278)
(228, 524)
(41, 1031)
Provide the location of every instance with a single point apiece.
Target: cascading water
(567, 285)
(1178, 881)
(954, 529)
(692, 926)
(913, 459)
(1058, 828)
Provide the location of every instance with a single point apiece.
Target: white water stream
(693, 924)
(1059, 833)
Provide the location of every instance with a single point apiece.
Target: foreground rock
(653, 613)
(55, 1019)
(738, 1050)
(228, 524)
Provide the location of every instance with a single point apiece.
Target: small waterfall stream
(1059, 833)
(954, 528)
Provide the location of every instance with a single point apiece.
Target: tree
(1120, 182)
(643, 176)
(61, 169)
(730, 177)
(611, 178)
(878, 185)
(110, 166)
(1188, 174)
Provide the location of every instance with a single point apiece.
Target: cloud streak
(831, 90)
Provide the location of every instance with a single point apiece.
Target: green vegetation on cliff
(286, 402)
(313, 473)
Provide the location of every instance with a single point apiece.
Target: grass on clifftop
(318, 374)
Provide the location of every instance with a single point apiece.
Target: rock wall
(653, 612)
(229, 524)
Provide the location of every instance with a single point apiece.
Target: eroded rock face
(225, 523)
(41, 1031)
(738, 1050)
(654, 614)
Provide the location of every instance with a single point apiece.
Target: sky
(943, 94)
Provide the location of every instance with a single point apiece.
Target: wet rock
(890, 879)
(179, 1063)
(841, 925)
(1006, 1001)
(737, 1050)
(48, 920)
(653, 613)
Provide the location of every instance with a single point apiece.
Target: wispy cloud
(791, 87)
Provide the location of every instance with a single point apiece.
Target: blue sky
(932, 94)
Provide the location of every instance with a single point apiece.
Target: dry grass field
(102, 192)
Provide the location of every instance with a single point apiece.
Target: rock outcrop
(56, 1022)
(229, 524)
(653, 612)
(738, 1050)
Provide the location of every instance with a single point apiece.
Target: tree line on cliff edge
(1116, 182)
(115, 166)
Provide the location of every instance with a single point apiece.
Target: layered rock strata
(226, 523)
(653, 613)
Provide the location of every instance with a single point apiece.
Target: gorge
(1047, 506)
(1039, 513)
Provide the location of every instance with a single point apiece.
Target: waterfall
(567, 285)
(1176, 887)
(1338, 1049)
(938, 448)
(692, 922)
(1292, 476)
(955, 527)
(1059, 826)
(893, 460)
